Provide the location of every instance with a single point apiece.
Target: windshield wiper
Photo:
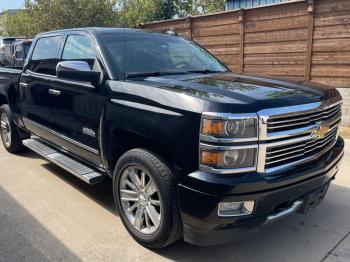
(159, 73)
(205, 71)
(155, 73)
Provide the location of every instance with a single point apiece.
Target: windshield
(155, 53)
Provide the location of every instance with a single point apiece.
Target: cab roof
(99, 30)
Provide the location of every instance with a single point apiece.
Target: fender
(138, 124)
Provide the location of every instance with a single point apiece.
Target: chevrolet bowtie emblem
(320, 131)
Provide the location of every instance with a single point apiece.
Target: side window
(79, 47)
(44, 58)
(18, 52)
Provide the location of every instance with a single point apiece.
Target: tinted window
(145, 53)
(44, 58)
(78, 47)
(18, 52)
(46, 48)
(8, 41)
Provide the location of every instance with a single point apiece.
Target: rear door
(36, 85)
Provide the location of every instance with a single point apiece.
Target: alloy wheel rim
(5, 130)
(141, 202)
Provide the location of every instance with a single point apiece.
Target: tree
(16, 24)
(197, 7)
(169, 9)
(59, 14)
(135, 12)
(47, 15)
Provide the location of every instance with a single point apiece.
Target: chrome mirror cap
(78, 71)
(80, 66)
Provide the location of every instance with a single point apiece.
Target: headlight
(222, 136)
(226, 126)
(228, 159)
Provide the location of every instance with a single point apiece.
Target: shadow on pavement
(101, 193)
(23, 238)
(26, 153)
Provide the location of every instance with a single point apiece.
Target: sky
(10, 4)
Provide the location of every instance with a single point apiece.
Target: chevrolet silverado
(194, 150)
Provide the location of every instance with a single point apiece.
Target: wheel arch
(122, 141)
(3, 100)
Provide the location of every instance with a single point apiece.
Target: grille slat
(284, 152)
(269, 162)
(329, 112)
(272, 122)
(306, 116)
(287, 122)
(273, 156)
(291, 158)
(330, 116)
(289, 125)
(307, 120)
(319, 144)
(285, 149)
(308, 148)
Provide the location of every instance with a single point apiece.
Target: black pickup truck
(194, 150)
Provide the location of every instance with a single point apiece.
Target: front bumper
(199, 205)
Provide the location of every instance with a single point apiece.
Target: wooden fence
(302, 40)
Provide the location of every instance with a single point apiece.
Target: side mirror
(77, 70)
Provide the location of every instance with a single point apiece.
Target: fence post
(241, 18)
(189, 27)
(310, 39)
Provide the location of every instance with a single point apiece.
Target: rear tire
(146, 198)
(10, 134)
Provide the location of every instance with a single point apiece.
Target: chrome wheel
(140, 200)
(5, 130)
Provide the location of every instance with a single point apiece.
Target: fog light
(235, 209)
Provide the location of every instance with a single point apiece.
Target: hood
(230, 88)
(225, 92)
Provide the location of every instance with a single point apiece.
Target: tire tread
(169, 183)
(16, 141)
(176, 232)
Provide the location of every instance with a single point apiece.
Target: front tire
(145, 196)
(10, 134)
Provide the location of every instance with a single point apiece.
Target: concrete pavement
(48, 215)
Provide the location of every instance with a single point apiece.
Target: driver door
(78, 105)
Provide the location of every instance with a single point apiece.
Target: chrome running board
(69, 164)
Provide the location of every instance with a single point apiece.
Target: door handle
(54, 92)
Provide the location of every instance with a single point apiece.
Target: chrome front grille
(284, 123)
(284, 154)
(290, 136)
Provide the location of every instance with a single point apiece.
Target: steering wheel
(182, 64)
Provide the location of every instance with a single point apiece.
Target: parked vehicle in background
(20, 52)
(6, 50)
(194, 150)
